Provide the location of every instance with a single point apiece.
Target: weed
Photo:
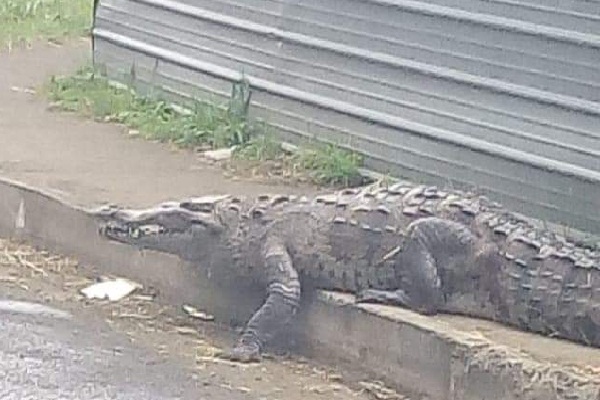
(263, 147)
(208, 125)
(22, 21)
(91, 94)
(330, 165)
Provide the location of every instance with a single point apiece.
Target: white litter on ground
(195, 313)
(219, 154)
(113, 290)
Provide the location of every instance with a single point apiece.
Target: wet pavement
(50, 357)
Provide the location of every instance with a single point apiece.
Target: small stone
(317, 389)
(334, 377)
(243, 389)
(219, 154)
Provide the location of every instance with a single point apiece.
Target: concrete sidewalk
(85, 163)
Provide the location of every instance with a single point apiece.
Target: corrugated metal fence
(503, 95)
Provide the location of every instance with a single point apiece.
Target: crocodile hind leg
(428, 241)
(283, 298)
(420, 289)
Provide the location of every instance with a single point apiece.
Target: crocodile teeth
(152, 230)
(134, 232)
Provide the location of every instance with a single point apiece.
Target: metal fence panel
(495, 94)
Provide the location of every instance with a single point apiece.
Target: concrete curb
(426, 356)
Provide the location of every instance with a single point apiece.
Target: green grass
(23, 21)
(207, 125)
(89, 93)
(330, 165)
(263, 147)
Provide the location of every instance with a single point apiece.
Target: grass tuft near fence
(23, 21)
(204, 125)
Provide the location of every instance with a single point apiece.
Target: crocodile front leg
(283, 298)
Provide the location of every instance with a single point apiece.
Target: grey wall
(502, 95)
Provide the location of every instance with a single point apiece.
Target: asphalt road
(50, 354)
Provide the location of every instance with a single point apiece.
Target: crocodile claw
(244, 353)
(374, 296)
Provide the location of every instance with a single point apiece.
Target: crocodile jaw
(167, 228)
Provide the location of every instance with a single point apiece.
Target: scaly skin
(407, 245)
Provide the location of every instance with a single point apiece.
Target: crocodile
(414, 246)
